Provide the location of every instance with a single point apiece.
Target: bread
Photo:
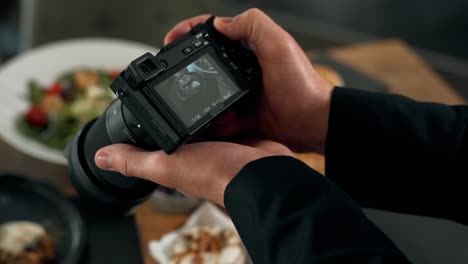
(329, 74)
(24, 242)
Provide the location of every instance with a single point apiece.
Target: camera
(164, 101)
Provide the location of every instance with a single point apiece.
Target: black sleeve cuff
(286, 212)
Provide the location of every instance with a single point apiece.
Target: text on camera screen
(197, 89)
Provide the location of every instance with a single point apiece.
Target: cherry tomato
(115, 74)
(37, 117)
(55, 88)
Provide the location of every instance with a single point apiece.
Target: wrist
(256, 151)
(316, 128)
(236, 166)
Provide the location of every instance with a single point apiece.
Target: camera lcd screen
(197, 89)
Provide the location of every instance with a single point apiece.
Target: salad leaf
(36, 93)
(80, 106)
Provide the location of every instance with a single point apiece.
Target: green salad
(59, 110)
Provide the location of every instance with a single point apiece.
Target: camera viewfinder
(147, 66)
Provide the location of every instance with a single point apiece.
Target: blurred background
(436, 29)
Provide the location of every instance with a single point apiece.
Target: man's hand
(295, 101)
(201, 170)
(293, 109)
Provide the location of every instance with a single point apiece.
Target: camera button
(187, 50)
(197, 44)
(208, 37)
(120, 93)
(234, 66)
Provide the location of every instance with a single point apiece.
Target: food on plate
(208, 245)
(24, 242)
(58, 111)
(329, 74)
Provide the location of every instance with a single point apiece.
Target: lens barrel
(110, 189)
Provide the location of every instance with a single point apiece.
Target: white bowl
(45, 64)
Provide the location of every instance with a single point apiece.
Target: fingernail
(225, 20)
(104, 161)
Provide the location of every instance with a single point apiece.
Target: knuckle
(157, 163)
(253, 23)
(287, 46)
(254, 12)
(157, 160)
(128, 168)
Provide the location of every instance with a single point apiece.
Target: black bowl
(26, 199)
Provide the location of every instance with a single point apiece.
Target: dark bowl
(25, 199)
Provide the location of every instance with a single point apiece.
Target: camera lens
(111, 189)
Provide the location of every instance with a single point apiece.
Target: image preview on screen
(196, 89)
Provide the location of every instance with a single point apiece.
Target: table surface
(390, 61)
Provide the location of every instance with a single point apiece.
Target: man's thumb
(131, 161)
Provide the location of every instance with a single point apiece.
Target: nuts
(208, 245)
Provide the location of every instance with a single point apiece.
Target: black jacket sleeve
(286, 212)
(390, 152)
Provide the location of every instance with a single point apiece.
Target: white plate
(205, 215)
(45, 64)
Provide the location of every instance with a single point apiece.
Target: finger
(253, 26)
(268, 146)
(184, 27)
(132, 161)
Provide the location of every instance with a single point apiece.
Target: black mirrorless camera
(164, 102)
